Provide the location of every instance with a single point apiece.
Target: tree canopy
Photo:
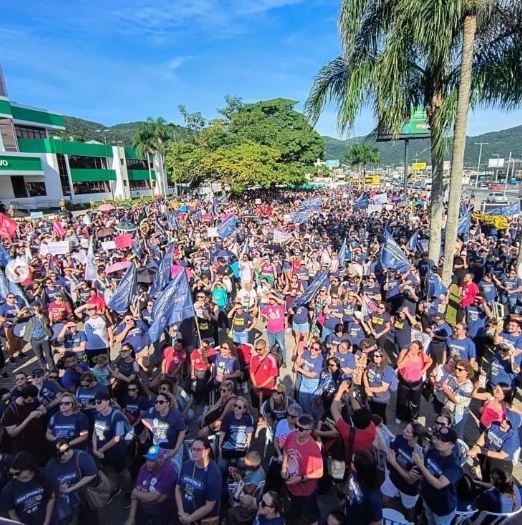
(263, 143)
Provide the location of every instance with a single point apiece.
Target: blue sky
(122, 60)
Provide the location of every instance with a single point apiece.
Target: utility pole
(479, 159)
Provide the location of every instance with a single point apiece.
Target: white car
(497, 197)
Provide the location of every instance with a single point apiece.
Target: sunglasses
(239, 406)
(332, 365)
(15, 472)
(223, 390)
(259, 349)
(62, 452)
(377, 355)
(459, 368)
(36, 376)
(132, 389)
(53, 377)
(263, 504)
(301, 429)
(159, 402)
(99, 401)
(65, 403)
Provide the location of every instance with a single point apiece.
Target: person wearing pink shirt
(274, 313)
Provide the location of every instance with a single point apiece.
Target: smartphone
(417, 449)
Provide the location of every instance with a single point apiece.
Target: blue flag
(413, 243)
(172, 222)
(312, 203)
(362, 203)
(392, 257)
(124, 294)
(435, 286)
(173, 306)
(464, 222)
(345, 254)
(4, 256)
(227, 227)
(300, 217)
(162, 277)
(506, 211)
(314, 287)
(7, 287)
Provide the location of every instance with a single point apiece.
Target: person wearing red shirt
(60, 312)
(469, 291)
(200, 363)
(302, 467)
(263, 373)
(363, 426)
(174, 357)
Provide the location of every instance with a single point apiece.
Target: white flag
(91, 271)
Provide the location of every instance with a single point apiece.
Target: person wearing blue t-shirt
(346, 358)
(226, 365)
(235, 434)
(25, 498)
(308, 367)
(402, 479)
(503, 497)
(377, 380)
(69, 423)
(108, 438)
(68, 474)
(198, 492)
(71, 379)
(363, 497)
(440, 333)
(497, 445)
(270, 509)
(167, 427)
(133, 332)
(460, 346)
(440, 473)
(487, 288)
(505, 366)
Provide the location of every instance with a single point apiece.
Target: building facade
(37, 169)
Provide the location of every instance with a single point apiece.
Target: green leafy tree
(361, 155)
(185, 162)
(275, 123)
(233, 105)
(398, 54)
(251, 164)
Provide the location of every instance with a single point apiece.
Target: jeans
(279, 338)
(42, 351)
(241, 337)
(435, 519)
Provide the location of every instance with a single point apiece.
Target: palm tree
(151, 138)
(361, 155)
(497, 15)
(397, 54)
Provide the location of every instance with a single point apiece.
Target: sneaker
(114, 494)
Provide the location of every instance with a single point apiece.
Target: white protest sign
(108, 245)
(212, 232)
(58, 247)
(84, 243)
(380, 198)
(280, 236)
(374, 208)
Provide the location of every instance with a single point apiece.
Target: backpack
(129, 433)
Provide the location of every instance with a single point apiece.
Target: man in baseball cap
(154, 487)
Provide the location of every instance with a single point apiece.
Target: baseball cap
(514, 419)
(438, 317)
(446, 435)
(154, 452)
(102, 396)
(37, 371)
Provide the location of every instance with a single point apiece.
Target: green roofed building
(38, 169)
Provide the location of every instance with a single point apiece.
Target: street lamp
(480, 157)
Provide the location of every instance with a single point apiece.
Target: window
(137, 164)
(91, 187)
(30, 132)
(64, 179)
(36, 189)
(139, 185)
(92, 163)
(23, 188)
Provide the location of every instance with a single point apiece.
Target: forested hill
(392, 153)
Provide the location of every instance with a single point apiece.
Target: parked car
(497, 197)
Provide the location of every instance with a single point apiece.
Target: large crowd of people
(315, 378)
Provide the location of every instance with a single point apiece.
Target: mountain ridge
(392, 153)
